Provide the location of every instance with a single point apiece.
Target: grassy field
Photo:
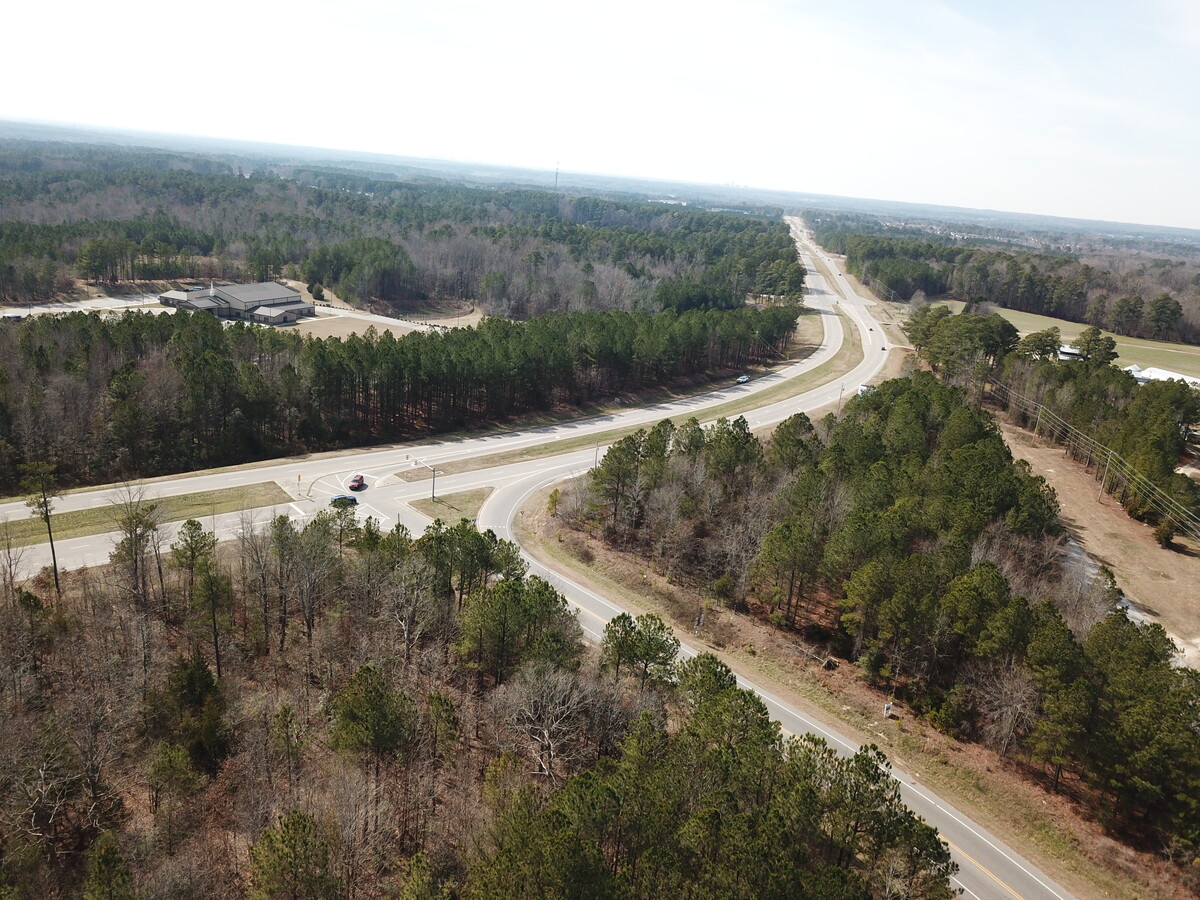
(99, 520)
(452, 507)
(1182, 358)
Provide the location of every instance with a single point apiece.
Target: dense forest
(328, 711)
(902, 536)
(325, 710)
(1147, 426)
(109, 215)
(617, 294)
(1152, 298)
(107, 398)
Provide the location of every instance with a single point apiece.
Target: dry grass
(452, 507)
(1001, 795)
(102, 519)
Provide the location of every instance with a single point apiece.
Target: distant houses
(266, 303)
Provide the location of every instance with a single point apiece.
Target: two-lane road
(989, 868)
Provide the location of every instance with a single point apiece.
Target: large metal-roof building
(266, 303)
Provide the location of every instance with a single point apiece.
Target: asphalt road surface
(988, 867)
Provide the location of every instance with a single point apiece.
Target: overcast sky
(1083, 109)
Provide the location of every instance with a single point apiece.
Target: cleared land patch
(333, 325)
(1159, 583)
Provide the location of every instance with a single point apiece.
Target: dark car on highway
(343, 500)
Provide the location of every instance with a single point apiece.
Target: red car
(357, 483)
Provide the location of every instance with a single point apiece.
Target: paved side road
(989, 868)
(146, 302)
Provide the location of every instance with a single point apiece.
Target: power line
(1117, 475)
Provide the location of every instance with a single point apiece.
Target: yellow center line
(981, 868)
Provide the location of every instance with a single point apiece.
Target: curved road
(988, 867)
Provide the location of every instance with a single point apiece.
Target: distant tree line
(1157, 300)
(902, 535)
(110, 215)
(136, 395)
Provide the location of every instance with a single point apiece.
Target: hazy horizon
(1079, 111)
(199, 143)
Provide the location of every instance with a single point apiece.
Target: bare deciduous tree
(139, 541)
(1085, 599)
(137, 550)
(255, 570)
(12, 555)
(1007, 700)
(412, 609)
(543, 712)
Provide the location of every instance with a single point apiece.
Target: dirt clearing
(1162, 585)
(325, 326)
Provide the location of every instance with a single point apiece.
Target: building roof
(1153, 373)
(173, 295)
(276, 312)
(264, 292)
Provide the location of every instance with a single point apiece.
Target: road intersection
(988, 867)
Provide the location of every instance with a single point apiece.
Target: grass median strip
(102, 519)
(452, 507)
(822, 374)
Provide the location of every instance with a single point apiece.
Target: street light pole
(433, 487)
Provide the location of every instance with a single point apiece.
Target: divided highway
(989, 868)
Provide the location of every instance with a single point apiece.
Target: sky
(1078, 109)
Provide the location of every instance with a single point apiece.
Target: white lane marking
(381, 517)
(766, 697)
(965, 888)
(952, 813)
